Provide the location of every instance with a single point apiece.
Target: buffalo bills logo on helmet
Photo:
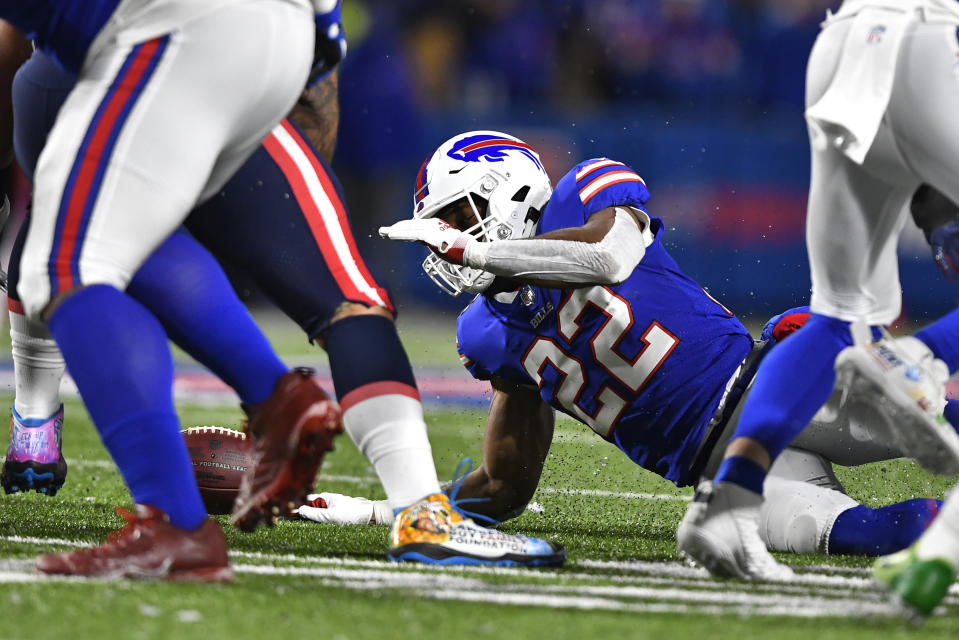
(489, 148)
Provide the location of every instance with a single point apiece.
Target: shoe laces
(463, 469)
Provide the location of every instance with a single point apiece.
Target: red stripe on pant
(92, 159)
(375, 389)
(344, 222)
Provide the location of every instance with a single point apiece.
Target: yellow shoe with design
(432, 531)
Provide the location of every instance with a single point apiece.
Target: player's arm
(604, 250)
(15, 48)
(317, 113)
(938, 217)
(519, 430)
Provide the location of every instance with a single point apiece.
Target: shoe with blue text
(34, 459)
(903, 378)
(433, 531)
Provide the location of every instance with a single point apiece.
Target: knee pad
(798, 516)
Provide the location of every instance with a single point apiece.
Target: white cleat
(720, 531)
(903, 377)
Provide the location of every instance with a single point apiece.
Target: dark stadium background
(703, 98)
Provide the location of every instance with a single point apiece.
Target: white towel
(850, 111)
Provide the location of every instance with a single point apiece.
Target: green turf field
(303, 579)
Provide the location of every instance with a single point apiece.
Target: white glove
(336, 508)
(445, 241)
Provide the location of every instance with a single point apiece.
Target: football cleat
(903, 376)
(919, 585)
(34, 459)
(432, 531)
(720, 531)
(288, 434)
(149, 547)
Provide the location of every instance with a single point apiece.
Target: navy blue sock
(188, 292)
(942, 337)
(877, 532)
(367, 359)
(742, 471)
(951, 412)
(792, 383)
(118, 355)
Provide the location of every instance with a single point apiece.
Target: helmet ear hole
(520, 196)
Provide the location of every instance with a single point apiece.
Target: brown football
(219, 461)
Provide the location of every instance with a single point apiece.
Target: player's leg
(853, 220)
(34, 458)
(922, 574)
(121, 168)
(806, 510)
(275, 239)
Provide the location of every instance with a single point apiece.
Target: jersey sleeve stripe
(607, 180)
(325, 216)
(595, 166)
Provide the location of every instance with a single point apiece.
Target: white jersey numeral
(634, 375)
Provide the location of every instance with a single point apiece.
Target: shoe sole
(934, 446)
(206, 575)
(22, 477)
(437, 554)
(307, 443)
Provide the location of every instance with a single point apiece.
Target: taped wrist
(608, 261)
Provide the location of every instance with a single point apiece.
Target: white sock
(37, 368)
(391, 433)
(941, 539)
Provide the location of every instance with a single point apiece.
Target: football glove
(944, 242)
(336, 508)
(445, 241)
(330, 47)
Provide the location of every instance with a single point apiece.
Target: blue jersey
(644, 363)
(64, 28)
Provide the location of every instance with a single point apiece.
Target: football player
(143, 136)
(872, 144)
(255, 225)
(592, 317)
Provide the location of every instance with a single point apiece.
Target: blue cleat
(35, 459)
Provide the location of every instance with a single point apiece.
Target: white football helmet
(490, 167)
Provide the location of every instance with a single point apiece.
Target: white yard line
(629, 495)
(445, 585)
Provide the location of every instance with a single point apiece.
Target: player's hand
(336, 508)
(944, 241)
(330, 47)
(446, 241)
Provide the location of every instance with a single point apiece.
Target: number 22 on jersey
(607, 358)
